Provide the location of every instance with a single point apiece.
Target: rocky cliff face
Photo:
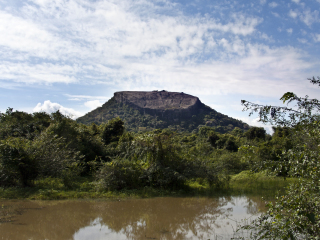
(161, 100)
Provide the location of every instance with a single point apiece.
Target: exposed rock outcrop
(157, 99)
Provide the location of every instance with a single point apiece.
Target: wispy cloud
(38, 73)
(302, 40)
(85, 97)
(273, 4)
(307, 16)
(77, 41)
(262, 2)
(316, 37)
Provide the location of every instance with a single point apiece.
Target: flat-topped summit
(157, 99)
(160, 109)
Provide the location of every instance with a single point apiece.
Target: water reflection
(158, 218)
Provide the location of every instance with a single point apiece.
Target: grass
(85, 188)
(260, 183)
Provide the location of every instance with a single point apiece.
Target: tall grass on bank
(261, 183)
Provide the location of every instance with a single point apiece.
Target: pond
(155, 218)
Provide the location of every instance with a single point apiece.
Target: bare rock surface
(157, 99)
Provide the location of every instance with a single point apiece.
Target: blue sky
(73, 55)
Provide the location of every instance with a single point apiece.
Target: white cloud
(50, 107)
(93, 104)
(236, 46)
(293, 14)
(303, 32)
(289, 30)
(30, 38)
(296, 1)
(273, 4)
(302, 40)
(316, 37)
(266, 37)
(38, 73)
(264, 65)
(309, 17)
(240, 26)
(86, 97)
(262, 2)
(100, 42)
(254, 122)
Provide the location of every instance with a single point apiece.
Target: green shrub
(112, 131)
(17, 166)
(118, 175)
(161, 176)
(54, 156)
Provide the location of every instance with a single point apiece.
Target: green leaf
(287, 96)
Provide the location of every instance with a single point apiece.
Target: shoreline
(243, 183)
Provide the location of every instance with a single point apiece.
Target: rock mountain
(160, 109)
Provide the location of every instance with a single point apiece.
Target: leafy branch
(287, 116)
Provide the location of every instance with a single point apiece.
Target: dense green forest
(36, 146)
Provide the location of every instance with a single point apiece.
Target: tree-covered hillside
(140, 119)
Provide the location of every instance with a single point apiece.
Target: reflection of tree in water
(164, 218)
(255, 205)
(160, 218)
(54, 220)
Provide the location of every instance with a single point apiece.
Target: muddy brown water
(156, 218)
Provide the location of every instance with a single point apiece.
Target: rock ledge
(161, 100)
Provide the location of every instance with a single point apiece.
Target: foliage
(112, 131)
(78, 138)
(21, 124)
(57, 147)
(17, 167)
(296, 214)
(55, 157)
(256, 132)
(118, 175)
(158, 160)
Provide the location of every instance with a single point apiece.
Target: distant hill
(161, 109)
